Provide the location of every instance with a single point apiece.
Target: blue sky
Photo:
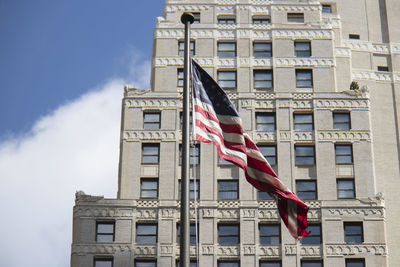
(63, 65)
(52, 51)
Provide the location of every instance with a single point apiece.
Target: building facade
(317, 86)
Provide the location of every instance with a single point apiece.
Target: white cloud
(73, 148)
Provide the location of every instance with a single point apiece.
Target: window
(304, 155)
(148, 188)
(295, 17)
(227, 79)
(303, 122)
(193, 263)
(383, 68)
(193, 191)
(270, 234)
(228, 234)
(181, 48)
(228, 189)
(151, 120)
(105, 232)
(354, 36)
(355, 262)
(344, 154)
(192, 234)
(103, 262)
(265, 121)
(304, 79)
(145, 263)
(353, 232)
(311, 263)
(341, 121)
(302, 49)
(262, 50)
(226, 50)
(270, 264)
(326, 9)
(194, 152)
(146, 233)
(223, 162)
(150, 153)
(262, 79)
(314, 237)
(306, 189)
(261, 20)
(269, 153)
(261, 195)
(196, 16)
(180, 78)
(345, 188)
(228, 264)
(226, 20)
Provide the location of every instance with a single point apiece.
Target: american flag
(217, 121)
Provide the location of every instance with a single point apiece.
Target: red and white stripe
(226, 133)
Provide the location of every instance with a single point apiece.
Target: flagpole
(187, 19)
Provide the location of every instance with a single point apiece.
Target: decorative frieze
(143, 251)
(267, 204)
(290, 249)
(297, 8)
(208, 213)
(149, 135)
(228, 251)
(311, 251)
(166, 249)
(228, 214)
(342, 52)
(268, 214)
(372, 75)
(264, 136)
(302, 104)
(248, 250)
(148, 214)
(308, 34)
(356, 212)
(207, 249)
(352, 136)
(147, 204)
(359, 249)
(168, 213)
(342, 103)
(314, 215)
(84, 211)
(152, 103)
(309, 62)
(100, 248)
(228, 204)
(248, 213)
(269, 251)
(183, 7)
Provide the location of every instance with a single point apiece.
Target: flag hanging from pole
(218, 122)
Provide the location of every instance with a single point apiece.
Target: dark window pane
(326, 9)
(345, 188)
(263, 195)
(226, 50)
(181, 49)
(304, 155)
(262, 79)
(303, 122)
(146, 234)
(105, 232)
(227, 79)
(191, 264)
(353, 232)
(228, 264)
(149, 188)
(344, 154)
(302, 49)
(306, 189)
(314, 237)
(150, 153)
(355, 263)
(228, 234)
(228, 189)
(270, 264)
(303, 78)
(295, 17)
(341, 121)
(192, 234)
(262, 50)
(261, 20)
(145, 264)
(103, 262)
(265, 121)
(270, 234)
(269, 153)
(311, 263)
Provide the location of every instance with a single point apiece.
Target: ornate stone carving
(166, 249)
(342, 103)
(102, 212)
(249, 249)
(146, 214)
(314, 215)
(295, 8)
(270, 251)
(248, 213)
(345, 250)
(371, 75)
(228, 214)
(304, 62)
(284, 135)
(268, 214)
(353, 136)
(179, 7)
(270, 204)
(290, 250)
(207, 249)
(311, 251)
(303, 136)
(147, 203)
(312, 34)
(342, 52)
(153, 103)
(356, 212)
(207, 213)
(100, 248)
(299, 104)
(148, 135)
(228, 204)
(167, 213)
(264, 136)
(227, 251)
(145, 250)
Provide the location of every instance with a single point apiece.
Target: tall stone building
(288, 66)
